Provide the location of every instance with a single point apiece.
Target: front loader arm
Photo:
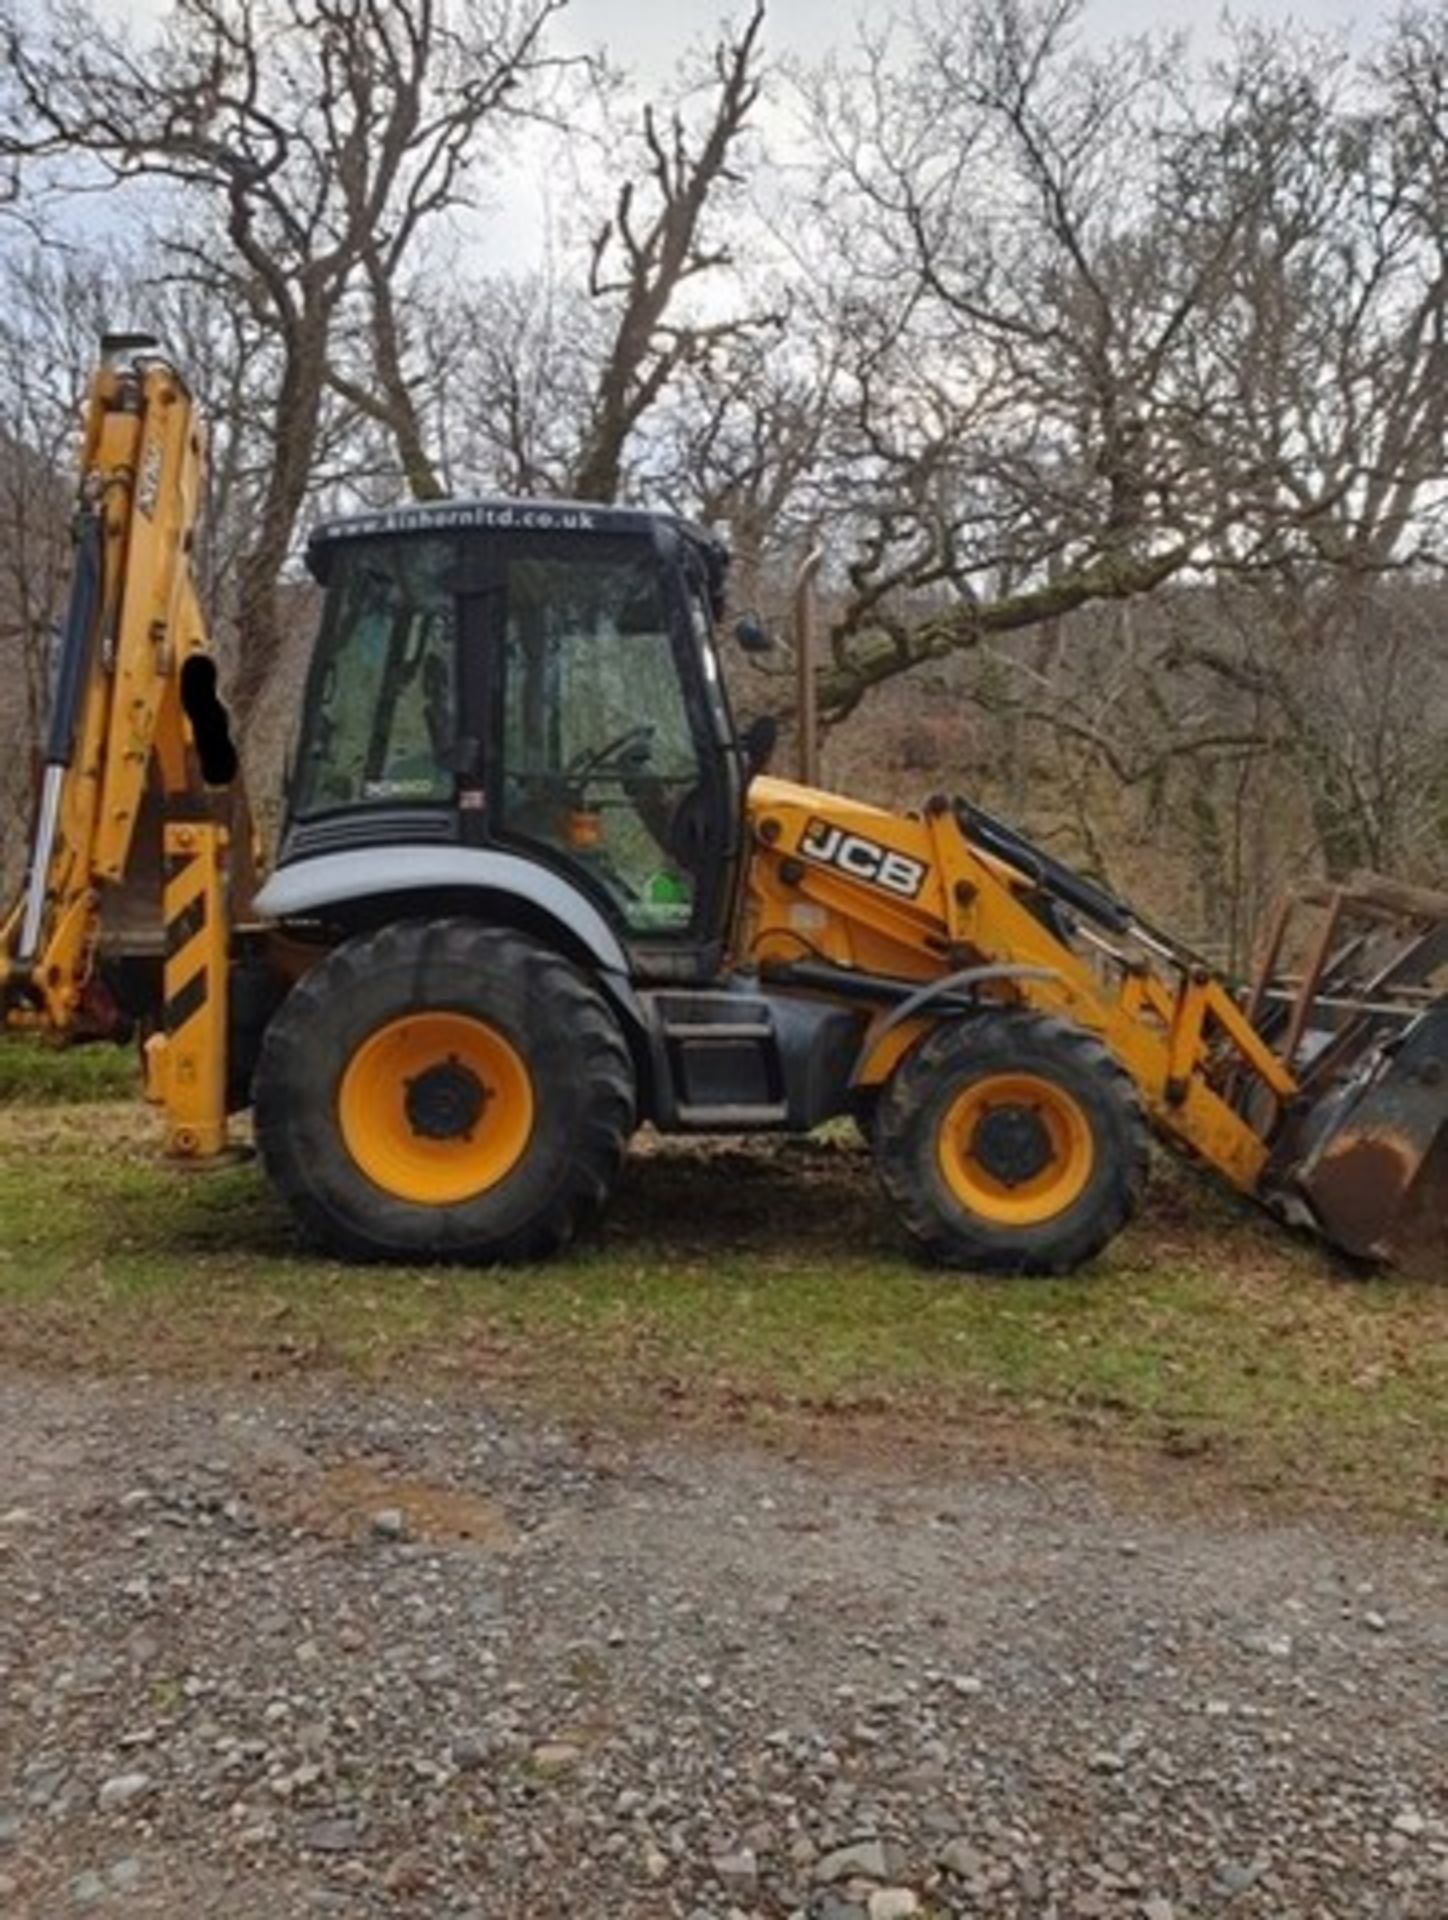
(134, 704)
(914, 898)
(1322, 1091)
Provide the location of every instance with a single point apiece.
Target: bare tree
(1013, 330)
(48, 306)
(566, 377)
(516, 394)
(573, 376)
(1315, 656)
(1106, 327)
(1337, 341)
(1117, 386)
(309, 144)
(743, 445)
(648, 251)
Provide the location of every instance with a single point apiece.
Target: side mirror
(752, 634)
(758, 741)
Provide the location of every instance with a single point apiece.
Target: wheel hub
(445, 1102)
(1011, 1144)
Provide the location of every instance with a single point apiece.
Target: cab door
(610, 764)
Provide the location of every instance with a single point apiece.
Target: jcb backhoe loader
(534, 888)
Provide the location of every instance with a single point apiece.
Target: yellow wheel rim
(436, 1107)
(1015, 1149)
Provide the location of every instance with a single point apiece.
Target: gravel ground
(275, 1653)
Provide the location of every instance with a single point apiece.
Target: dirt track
(272, 1653)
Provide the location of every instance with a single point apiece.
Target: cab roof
(501, 515)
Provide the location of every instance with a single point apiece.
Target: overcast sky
(649, 38)
(649, 35)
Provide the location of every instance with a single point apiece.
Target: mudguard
(331, 880)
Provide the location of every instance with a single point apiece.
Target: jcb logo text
(862, 859)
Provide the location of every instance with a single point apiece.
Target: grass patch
(37, 1072)
(763, 1285)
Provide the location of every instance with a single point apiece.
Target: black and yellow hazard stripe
(194, 986)
(185, 881)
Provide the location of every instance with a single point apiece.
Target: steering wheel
(636, 742)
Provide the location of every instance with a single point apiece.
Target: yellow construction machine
(534, 888)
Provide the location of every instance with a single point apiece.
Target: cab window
(381, 713)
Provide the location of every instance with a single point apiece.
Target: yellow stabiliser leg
(186, 1063)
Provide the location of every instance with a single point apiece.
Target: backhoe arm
(134, 705)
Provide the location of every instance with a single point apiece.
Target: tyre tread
(600, 1061)
(896, 1150)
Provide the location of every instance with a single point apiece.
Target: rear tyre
(1011, 1143)
(441, 1090)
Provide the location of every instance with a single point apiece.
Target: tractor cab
(527, 679)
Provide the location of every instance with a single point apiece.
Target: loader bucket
(1375, 1166)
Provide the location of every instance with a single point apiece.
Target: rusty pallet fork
(1362, 1147)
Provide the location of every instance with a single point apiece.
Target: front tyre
(444, 1090)
(1011, 1143)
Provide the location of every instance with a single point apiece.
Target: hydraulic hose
(77, 640)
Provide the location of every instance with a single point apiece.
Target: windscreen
(380, 722)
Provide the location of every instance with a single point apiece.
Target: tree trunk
(260, 633)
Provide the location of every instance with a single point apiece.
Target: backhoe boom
(135, 726)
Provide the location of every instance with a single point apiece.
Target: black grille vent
(372, 827)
